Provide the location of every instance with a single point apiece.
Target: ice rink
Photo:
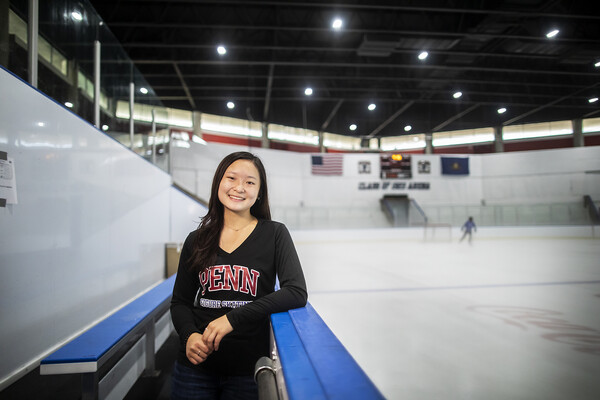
(515, 315)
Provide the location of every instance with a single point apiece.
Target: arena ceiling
(496, 53)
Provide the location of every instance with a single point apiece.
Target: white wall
(194, 167)
(185, 215)
(88, 232)
(562, 175)
(536, 177)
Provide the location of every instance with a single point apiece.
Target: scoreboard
(395, 166)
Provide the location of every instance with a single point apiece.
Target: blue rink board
(95, 342)
(315, 363)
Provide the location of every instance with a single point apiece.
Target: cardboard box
(173, 251)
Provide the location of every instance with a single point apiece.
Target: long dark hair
(209, 231)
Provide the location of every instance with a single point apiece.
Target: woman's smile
(239, 187)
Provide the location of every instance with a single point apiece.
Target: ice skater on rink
(468, 227)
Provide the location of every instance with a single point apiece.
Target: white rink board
(89, 230)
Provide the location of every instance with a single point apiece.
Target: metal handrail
(264, 375)
(419, 209)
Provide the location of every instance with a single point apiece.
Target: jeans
(190, 384)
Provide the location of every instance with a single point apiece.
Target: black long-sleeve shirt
(241, 285)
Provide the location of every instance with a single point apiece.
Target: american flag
(327, 164)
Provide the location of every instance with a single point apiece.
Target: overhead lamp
(41, 124)
(593, 100)
(457, 95)
(308, 91)
(143, 90)
(68, 104)
(423, 55)
(372, 106)
(221, 50)
(501, 110)
(597, 64)
(552, 33)
(407, 128)
(104, 128)
(353, 127)
(76, 15)
(230, 105)
(337, 24)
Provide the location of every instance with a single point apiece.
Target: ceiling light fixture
(104, 128)
(69, 104)
(457, 95)
(552, 33)
(308, 91)
(337, 24)
(501, 110)
(230, 105)
(76, 15)
(407, 128)
(41, 124)
(353, 127)
(597, 64)
(423, 55)
(593, 100)
(221, 50)
(372, 106)
(143, 90)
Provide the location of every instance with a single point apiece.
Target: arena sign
(393, 185)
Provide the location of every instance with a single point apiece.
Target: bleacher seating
(114, 353)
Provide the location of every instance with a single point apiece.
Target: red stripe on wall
(592, 140)
(241, 141)
(297, 147)
(538, 144)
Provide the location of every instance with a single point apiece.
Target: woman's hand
(195, 349)
(215, 331)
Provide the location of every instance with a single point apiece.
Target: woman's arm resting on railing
(293, 292)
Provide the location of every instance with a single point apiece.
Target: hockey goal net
(437, 232)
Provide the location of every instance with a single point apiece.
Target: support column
(97, 83)
(4, 45)
(321, 145)
(578, 132)
(154, 136)
(265, 136)
(131, 99)
(498, 142)
(73, 91)
(197, 123)
(32, 43)
(429, 143)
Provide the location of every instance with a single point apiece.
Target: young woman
(224, 290)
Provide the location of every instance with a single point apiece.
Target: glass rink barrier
(309, 362)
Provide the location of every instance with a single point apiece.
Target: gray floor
(34, 386)
(512, 316)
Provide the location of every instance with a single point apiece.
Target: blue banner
(455, 166)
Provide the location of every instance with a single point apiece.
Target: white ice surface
(507, 317)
